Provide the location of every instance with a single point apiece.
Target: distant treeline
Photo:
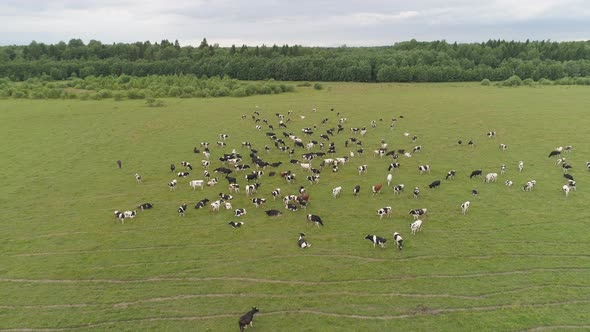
(410, 61)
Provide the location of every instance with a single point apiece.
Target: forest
(409, 61)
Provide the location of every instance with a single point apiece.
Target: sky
(302, 22)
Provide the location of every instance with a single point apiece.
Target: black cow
(477, 172)
(172, 168)
(247, 319)
(434, 184)
(273, 213)
(201, 204)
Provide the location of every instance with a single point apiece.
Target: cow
(376, 240)
(520, 166)
(491, 134)
(212, 182)
(273, 213)
(172, 185)
(416, 226)
(205, 163)
(451, 174)
(201, 204)
(137, 178)
(225, 197)
(503, 169)
(474, 192)
(119, 164)
(234, 187)
(290, 178)
(386, 211)
(508, 183)
(239, 212)
(416, 192)
(336, 192)
(392, 166)
(565, 189)
(315, 219)
(145, 206)
(475, 173)
(572, 184)
(302, 243)
(568, 176)
(465, 207)
(399, 241)
(417, 148)
(503, 147)
(120, 215)
(388, 179)
(182, 210)
(130, 214)
(258, 201)
(566, 167)
(196, 183)
(313, 179)
(356, 190)
(490, 177)
(362, 169)
(247, 319)
(234, 224)
(376, 189)
(434, 184)
(424, 168)
(187, 165)
(417, 213)
(398, 188)
(554, 153)
(183, 174)
(276, 193)
(172, 168)
(252, 188)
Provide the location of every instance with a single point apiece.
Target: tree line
(410, 61)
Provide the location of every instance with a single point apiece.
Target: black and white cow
(258, 201)
(385, 211)
(417, 148)
(398, 189)
(424, 168)
(276, 193)
(392, 166)
(120, 215)
(376, 240)
(417, 213)
(187, 165)
(399, 241)
(172, 184)
(451, 174)
(182, 210)
(313, 178)
(137, 178)
(554, 153)
(362, 169)
(302, 243)
(252, 188)
(183, 174)
(315, 219)
(234, 224)
(145, 206)
(225, 197)
(503, 147)
(416, 192)
(465, 207)
(356, 190)
(234, 187)
(246, 320)
(291, 207)
(491, 134)
(239, 212)
(201, 204)
(569, 177)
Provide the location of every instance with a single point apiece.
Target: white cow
(196, 183)
(491, 177)
(336, 192)
(416, 226)
(389, 178)
(465, 207)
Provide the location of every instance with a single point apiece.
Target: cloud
(306, 22)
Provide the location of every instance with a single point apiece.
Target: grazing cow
(572, 184)
(182, 210)
(559, 161)
(417, 148)
(529, 185)
(302, 243)
(491, 134)
(172, 168)
(172, 185)
(416, 226)
(451, 174)
(119, 164)
(398, 188)
(276, 193)
(424, 168)
(201, 204)
(376, 240)
(258, 201)
(196, 183)
(503, 147)
(554, 153)
(475, 173)
(252, 188)
(399, 241)
(234, 187)
(407, 155)
(416, 192)
(290, 178)
(206, 174)
(120, 215)
(225, 197)
(490, 177)
(362, 169)
(187, 165)
(253, 176)
(239, 212)
(212, 182)
(386, 211)
(376, 189)
(508, 183)
(417, 213)
(247, 319)
(145, 206)
(137, 178)
(130, 214)
(566, 167)
(503, 169)
(392, 166)
(434, 184)
(273, 213)
(313, 179)
(223, 136)
(336, 192)
(565, 189)
(465, 207)
(520, 166)
(183, 174)
(315, 219)
(389, 178)
(234, 224)
(474, 192)
(205, 163)
(568, 176)
(356, 190)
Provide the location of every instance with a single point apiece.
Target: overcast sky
(304, 22)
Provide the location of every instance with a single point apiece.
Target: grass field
(517, 261)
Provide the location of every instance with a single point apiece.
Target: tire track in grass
(558, 327)
(420, 311)
(293, 282)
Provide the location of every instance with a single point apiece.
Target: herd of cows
(315, 152)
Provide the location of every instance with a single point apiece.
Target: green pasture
(517, 261)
